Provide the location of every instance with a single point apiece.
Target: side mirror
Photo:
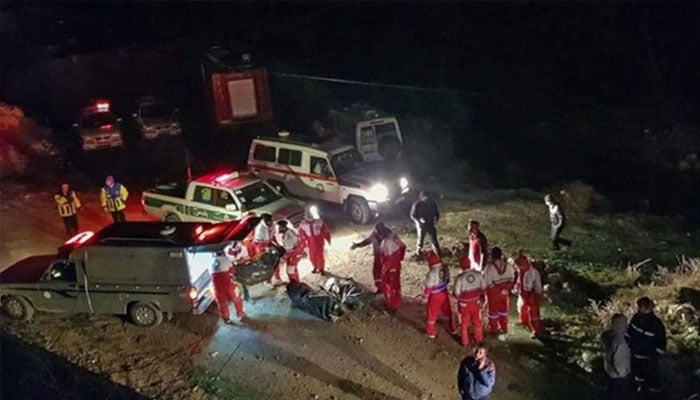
(231, 207)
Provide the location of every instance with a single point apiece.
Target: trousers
(225, 291)
(439, 304)
(391, 287)
(427, 230)
(470, 313)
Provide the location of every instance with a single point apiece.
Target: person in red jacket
(500, 279)
(391, 252)
(222, 271)
(436, 293)
(529, 294)
(478, 246)
(374, 240)
(469, 290)
(289, 239)
(314, 234)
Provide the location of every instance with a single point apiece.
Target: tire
(18, 308)
(145, 314)
(172, 218)
(359, 210)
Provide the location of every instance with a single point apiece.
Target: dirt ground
(281, 352)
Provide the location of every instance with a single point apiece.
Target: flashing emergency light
(80, 238)
(102, 106)
(313, 212)
(107, 127)
(225, 177)
(192, 293)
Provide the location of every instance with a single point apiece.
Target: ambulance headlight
(379, 192)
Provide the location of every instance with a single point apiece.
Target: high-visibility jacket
(469, 286)
(314, 234)
(437, 279)
(499, 276)
(67, 204)
(114, 198)
(392, 252)
(530, 284)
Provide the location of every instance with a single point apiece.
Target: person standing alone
(425, 214)
(68, 206)
(113, 199)
(557, 219)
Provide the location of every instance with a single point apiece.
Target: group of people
(113, 197)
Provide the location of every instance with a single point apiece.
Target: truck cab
(375, 134)
(156, 119)
(98, 128)
(329, 172)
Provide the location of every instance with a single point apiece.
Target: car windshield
(388, 129)
(91, 121)
(256, 195)
(155, 110)
(345, 162)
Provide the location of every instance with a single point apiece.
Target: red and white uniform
(500, 279)
(314, 234)
(392, 252)
(263, 237)
(469, 289)
(222, 272)
(436, 290)
(375, 241)
(238, 253)
(530, 294)
(293, 253)
(476, 253)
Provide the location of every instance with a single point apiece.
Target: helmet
(433, 259)
(109, 180)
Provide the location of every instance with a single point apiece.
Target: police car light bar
(102, 106)
(225, 177)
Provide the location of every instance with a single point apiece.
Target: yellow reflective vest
(67, 204)
(114, 198)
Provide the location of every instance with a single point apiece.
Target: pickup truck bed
(177, 189)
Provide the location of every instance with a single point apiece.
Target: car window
(345, 162)
(62, 271)
(319, 166)
(289, 157)
(222, 198)
(265, 153)
(256, 195)
(203, 194)
(96, 120)
(367, 136)
(386, 129)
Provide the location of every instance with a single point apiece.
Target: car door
(367, 143)
(61, 291)
(212, 205)
(323, 183)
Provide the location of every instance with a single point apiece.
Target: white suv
(328, 172)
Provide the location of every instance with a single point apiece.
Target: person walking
(469, 291)
(646, 336)
(113, 197)
(557, 220)
(374, 240)
(68, 205)
(500, 279)
(616, 359)
(314, 234)
(425, 214)
(436, 294)
(391, 252)
(477, 375)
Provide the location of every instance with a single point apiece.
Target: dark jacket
(475, 383)
(646, 335)
(426, 210)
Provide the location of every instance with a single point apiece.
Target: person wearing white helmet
(113, 197)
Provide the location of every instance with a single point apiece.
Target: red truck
(237, 91)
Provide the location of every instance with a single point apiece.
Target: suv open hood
(370, 174)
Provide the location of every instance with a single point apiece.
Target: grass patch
(223, 388)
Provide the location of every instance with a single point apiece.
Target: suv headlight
(403, 183)
(379, 192)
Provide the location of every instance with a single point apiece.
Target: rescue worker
(425, 214)
(239, 255)
(293, 252)
(500, 279)
(374, 240)
(263, 234)
(646, 336)
(222, 271)
(391, 252)
(436, 293)
(469, 291)
(476, 376)
(113, 198)
(529, 294)
(68, 206)
(557, 219)
(478, 246)
(314, 233)
(616, 359)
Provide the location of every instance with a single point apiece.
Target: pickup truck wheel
(145, 314)
(172, 218)
(18, 308)
(359, 210)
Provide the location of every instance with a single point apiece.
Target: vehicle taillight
(107, 127)
(192, 293)
(80, 238)
(102, 106)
